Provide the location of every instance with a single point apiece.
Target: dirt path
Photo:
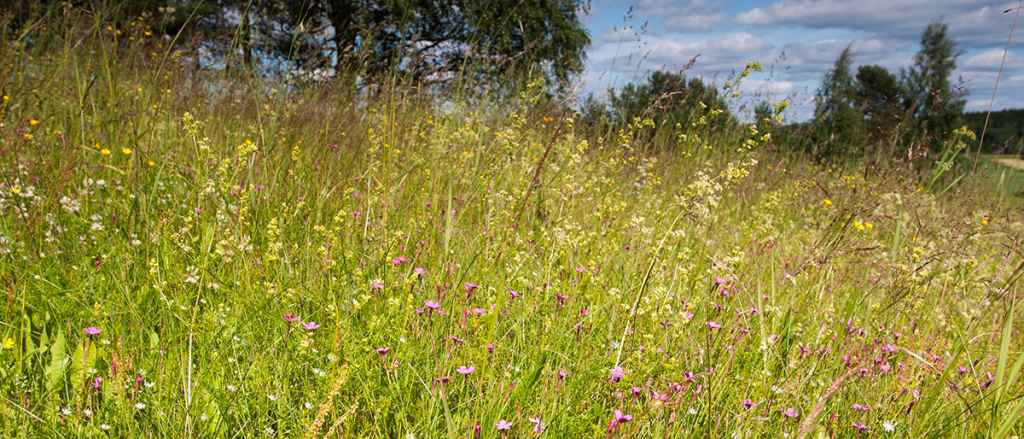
(1011, 161)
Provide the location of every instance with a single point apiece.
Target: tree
(668, 98)
(432, 41)
(879, 97)
(838, 124)
(934, 100)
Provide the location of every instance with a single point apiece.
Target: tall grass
(258, 259)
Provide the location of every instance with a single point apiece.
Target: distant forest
(1005, 130)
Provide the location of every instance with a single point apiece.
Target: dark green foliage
(432, 41)
(1005, 134)
(936, 103)
(668, 99)
(839, 125)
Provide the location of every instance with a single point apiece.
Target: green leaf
(58, 361)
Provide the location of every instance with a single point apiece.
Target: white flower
(232, 388)
(889, 426)
(87, 413)
(65, 411)
(139, 406)
(308, 405)
(272, 397)
(104, 427)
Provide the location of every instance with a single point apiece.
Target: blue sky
(796, 41)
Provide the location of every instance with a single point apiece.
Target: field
(217, 256)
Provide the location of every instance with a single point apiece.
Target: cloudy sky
(797, 41)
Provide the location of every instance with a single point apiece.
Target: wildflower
(888, 426)
(465, 370)
(91, 330)
(126, 151)
(32, 121)
(790, 413)
(861, 408)
(470, 287)
(616, 374)
(27, 136)
(140, 406)
(420, 271)
(97, 383)
(538, 426)
(514, 294)
(860, 427)
(396, 261)
(826, 202)
(503, 425)
(562, 374)
(561, 298)
(617, 419)
(749, 404)
(150, 163)
(490, 348)
(376, 285)
(441, 379)
(272, 397)
(7, 99)
(290, 318)
(8, 343)
(432, 305)
(231, 388)
(310, 326)
(713, 326)
(636, 391)
(104, 152)
(383, 351)
(104, 426)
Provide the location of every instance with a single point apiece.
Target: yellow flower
(150, 163)
(7, 99)
(126, 151)
(826, 202)
(8, 343)
(16, 189)
(27, 136)
(104, 152)
(984, 220)
(33, 121)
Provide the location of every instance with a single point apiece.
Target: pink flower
(431, 305)
(503, 425)
(97, 383)
(420, 271)
(561, 298)
(290, 318)
(465, 370)
(396, 261)
(749, 404)
(713, 325)
(616, 374)
(562, 374)
(861, 407)
(376, 285)
(617, 419)
(790, 413)
(91, 330)
(581, 270)
(513, 293)
(490, 348)
(636, 391)
(860, 427)
(310, 326)
(538, 426)
(383, 351)
(470, 287)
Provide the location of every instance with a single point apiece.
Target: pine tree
(934, 99)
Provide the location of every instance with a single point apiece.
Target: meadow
(210, 254)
